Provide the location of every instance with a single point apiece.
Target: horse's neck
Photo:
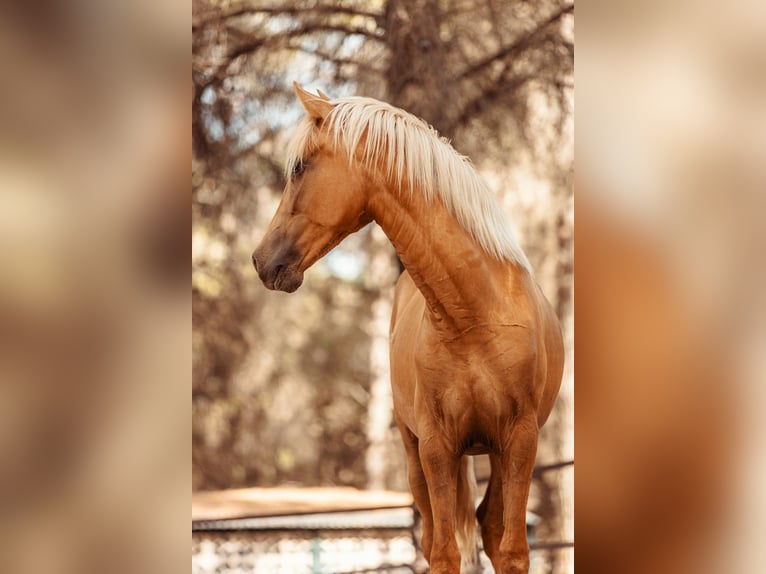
(459, 280)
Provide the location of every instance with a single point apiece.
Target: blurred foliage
(281, 382)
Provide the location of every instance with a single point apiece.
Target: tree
(452, 63)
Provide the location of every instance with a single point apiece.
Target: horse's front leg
(518, 461)
(418, 487)
(440, 467)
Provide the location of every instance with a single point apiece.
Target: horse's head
(324, 201)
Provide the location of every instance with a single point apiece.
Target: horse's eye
(298, 168)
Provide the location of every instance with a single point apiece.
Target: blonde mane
(414, 155)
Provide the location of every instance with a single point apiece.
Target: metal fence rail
(335, 541)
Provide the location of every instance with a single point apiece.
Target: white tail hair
(465, 513)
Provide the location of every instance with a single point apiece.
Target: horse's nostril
(255, 263)
(278, 269)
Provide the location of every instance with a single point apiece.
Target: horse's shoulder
(405, 292)
(404, 284)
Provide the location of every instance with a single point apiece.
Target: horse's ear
(316, 107)
(323, 95)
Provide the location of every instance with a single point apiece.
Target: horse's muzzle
(279, 272)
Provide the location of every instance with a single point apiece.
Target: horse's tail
(466, 512)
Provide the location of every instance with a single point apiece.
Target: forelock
(303, 142)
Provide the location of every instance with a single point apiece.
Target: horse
(476, 350)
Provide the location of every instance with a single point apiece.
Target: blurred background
(293, 390)
(95, 360)
(671, 182)
(94, 305)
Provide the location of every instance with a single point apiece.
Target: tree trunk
(415, 77)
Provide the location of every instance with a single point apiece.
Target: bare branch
(519, 45)
(336, 60)
(277, 39)
(487, 97)
(218, 16)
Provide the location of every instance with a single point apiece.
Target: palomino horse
(476, 350)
